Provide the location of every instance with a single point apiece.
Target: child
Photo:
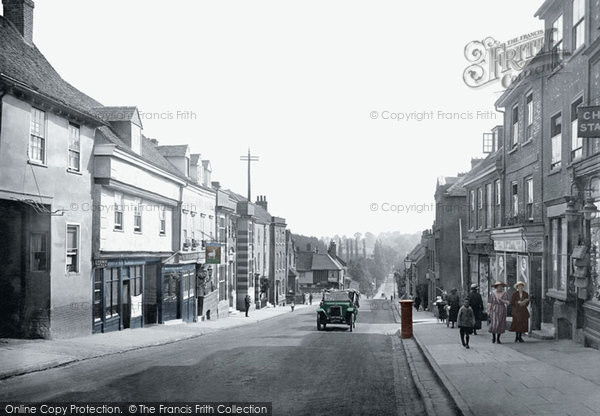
(466, 322)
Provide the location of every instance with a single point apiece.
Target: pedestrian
(441, 308)
(303, 298)
(417, 302)
(310, 298)
(247, 302)
(454, 303)
(466, 322)
(293, 305)
(520, 313)
(476, 303)
(497, 303)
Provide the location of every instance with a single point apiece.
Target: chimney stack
(20, 14)
(262, 201)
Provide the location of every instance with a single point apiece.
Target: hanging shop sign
(213, 253)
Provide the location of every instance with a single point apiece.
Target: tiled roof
(324, 262)
(456, 189)
(304, 261)
(26, 64)
(179, 150)
(149, 152)
(194, 158)
(125, 113)
(262, 214)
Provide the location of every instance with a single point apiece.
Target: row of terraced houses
(103, 228)
(528, 210)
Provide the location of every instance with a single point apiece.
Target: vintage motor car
(338, 307)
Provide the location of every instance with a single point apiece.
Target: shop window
(98, 295)
(111, 292)
(136, 274)
(558, 254)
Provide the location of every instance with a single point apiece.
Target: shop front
(177, 289)
(119, 299)
(518, 254)
(480, 250)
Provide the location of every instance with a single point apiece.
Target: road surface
(284, 360)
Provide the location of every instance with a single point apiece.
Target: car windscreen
(336, 296)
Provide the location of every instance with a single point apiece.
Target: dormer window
(136, 139)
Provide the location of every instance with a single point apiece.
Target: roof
(324, 262)
(194, 158)
(122, 113)
(484, 164)
(457, 189)
(25, 63)
(149, 152)
(179, 150)
(262, 214)
(304, 261)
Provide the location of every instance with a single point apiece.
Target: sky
(309, 86)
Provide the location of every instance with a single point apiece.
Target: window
(558, 249)
(557, 39)
(111, 292)
(135, 280)
(489, 206)
(472, 209)
(38, 252)
(578, 23)
(529, 197)
(488, 143)
(37, 138)
(222, 230)
(118, 211)
(515, 199)
(498, 207)
(72, 248)
(529, 117)
(137, 217)
(98, 294)
(515, 125)
(74, 148)
(576, 142)
(480, 221)
(556, 134)
(162, 221)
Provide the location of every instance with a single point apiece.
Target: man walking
(310, 298)
(247, 302)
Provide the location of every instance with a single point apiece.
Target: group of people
(469, 316)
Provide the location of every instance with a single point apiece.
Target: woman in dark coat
(520, 313)
(454, 303)
(476, 303)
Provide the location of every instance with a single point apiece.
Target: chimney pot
(20, 14)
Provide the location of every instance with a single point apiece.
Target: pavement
(19, 357)
(537, 377)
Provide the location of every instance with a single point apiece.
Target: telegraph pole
(249, 159)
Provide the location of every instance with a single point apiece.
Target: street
(283, 360)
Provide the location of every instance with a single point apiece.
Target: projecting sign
(588, 121)
(213, 253)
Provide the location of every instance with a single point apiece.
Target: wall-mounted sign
(213, 253)
(588, 121)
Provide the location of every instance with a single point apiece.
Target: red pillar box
(406, 318)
